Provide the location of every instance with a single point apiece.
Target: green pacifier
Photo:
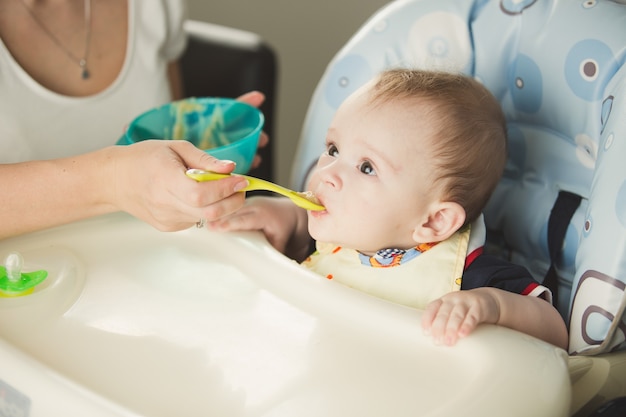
(14, 282)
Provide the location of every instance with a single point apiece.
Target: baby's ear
(445, 219)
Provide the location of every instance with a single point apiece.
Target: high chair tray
(136, 322)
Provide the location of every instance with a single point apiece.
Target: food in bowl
(223, 127)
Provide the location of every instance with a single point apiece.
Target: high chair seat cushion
(557, 68)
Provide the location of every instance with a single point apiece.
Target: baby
(411, 159)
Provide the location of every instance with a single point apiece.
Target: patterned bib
(411, 277)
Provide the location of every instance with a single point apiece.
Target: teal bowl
(222, 127)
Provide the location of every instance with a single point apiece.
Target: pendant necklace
(82, 62)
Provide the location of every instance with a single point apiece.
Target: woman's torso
(131, 44)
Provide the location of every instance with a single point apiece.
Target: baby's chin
(316, 235)
(320, 236)
(328, 232)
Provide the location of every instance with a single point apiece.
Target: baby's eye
(332, 150)
(367, 168)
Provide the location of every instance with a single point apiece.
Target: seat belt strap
(561, 215)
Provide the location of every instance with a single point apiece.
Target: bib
(431, 271)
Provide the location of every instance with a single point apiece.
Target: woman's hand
(150, 183)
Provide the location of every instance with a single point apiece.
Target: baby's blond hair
(470, 131)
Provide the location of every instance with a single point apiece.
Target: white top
(36, 123)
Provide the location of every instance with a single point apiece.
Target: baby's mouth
(320, 202)
(309, 195)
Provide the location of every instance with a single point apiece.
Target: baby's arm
(283, 224)
(455, 315)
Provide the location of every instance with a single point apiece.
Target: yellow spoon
(305, 200)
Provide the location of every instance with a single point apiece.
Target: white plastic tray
(136, 322)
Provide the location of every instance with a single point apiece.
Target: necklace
(82, 62)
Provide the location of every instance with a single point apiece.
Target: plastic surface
(132, 321)
(596, 379)
(223, 127)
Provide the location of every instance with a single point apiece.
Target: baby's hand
(283, 224)
(455, 315)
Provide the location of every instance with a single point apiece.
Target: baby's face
(374, 177)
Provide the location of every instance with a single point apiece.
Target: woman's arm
(146, 179)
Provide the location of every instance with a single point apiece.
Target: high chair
(133, 322)
(557, 67)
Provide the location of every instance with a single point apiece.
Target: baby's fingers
(469, 323)
(429, 316)
(437, 320)
(241, 220)
(448, 321)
